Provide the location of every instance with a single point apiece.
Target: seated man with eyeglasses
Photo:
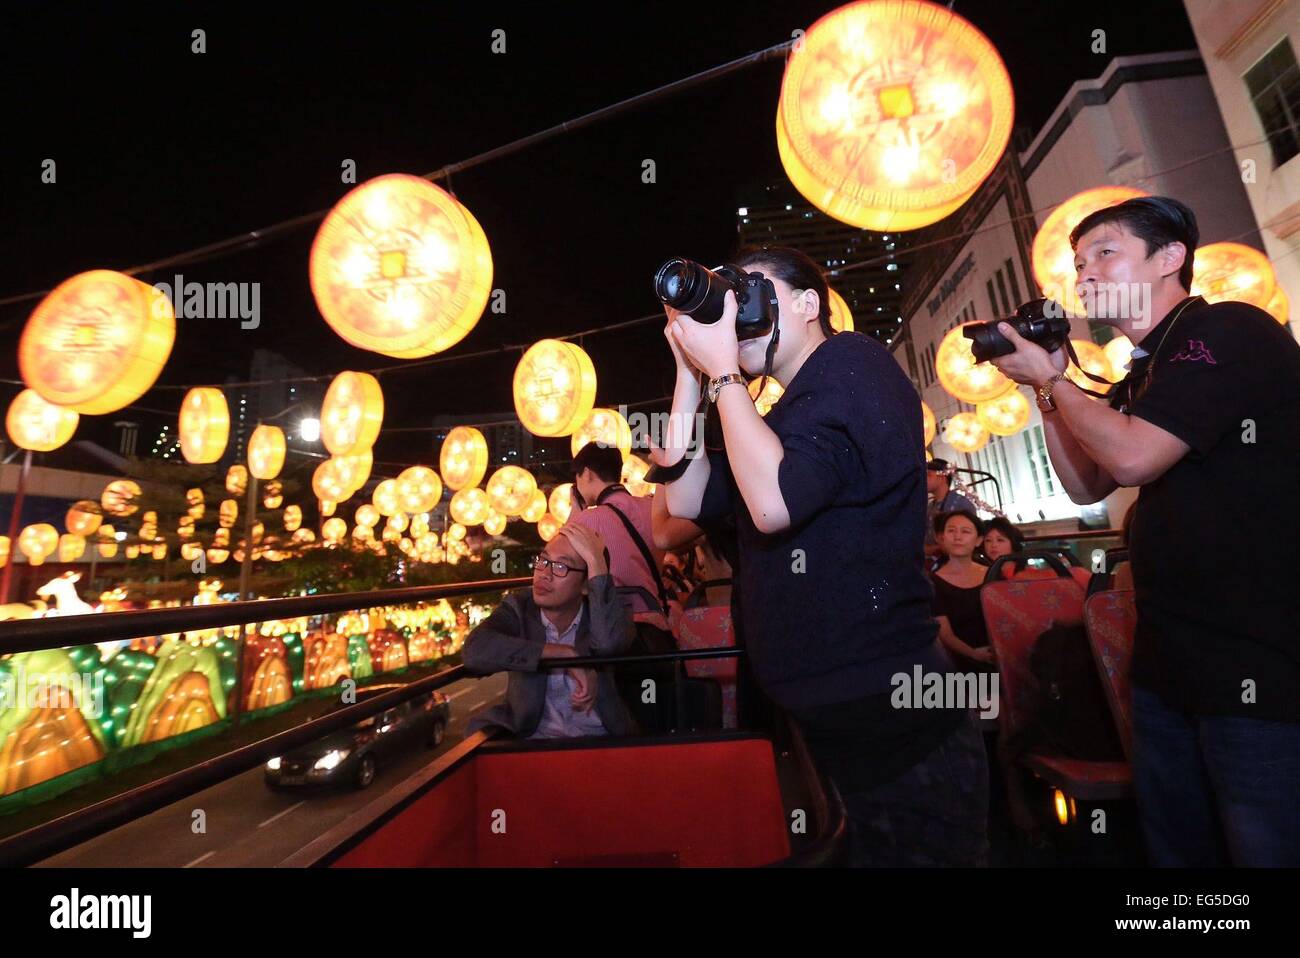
(571, 610)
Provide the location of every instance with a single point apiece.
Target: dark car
(353, 754)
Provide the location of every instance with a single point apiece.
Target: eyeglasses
(558, 569)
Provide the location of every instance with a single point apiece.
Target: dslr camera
(1041, 321)
(690, 288)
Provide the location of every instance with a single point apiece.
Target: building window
(1002, 293)
(1015, 283)
(993, 303)
(1274, 85)
(1040, 464)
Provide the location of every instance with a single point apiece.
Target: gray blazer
(511, 640)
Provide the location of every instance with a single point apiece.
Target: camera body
(1040, 321)
(693, 289)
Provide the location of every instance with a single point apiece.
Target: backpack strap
(645, 554)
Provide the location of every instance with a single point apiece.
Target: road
(245, 824)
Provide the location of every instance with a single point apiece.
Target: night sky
(160, 150)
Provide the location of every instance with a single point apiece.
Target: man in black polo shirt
(1207, 423)
(828, 495)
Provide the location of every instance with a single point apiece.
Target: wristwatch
(715, 385)
(1045, 402)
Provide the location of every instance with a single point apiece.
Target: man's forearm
(1077, 470)
(1103, 434)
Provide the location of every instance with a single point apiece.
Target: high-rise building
(775, 214)
(277, 388)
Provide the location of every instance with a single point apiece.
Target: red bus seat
(1111, 619)
(709, 627)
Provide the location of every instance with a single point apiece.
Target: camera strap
(1069, 351)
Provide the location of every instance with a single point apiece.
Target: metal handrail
(1082, 534)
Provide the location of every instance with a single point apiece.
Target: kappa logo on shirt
(1194, 352)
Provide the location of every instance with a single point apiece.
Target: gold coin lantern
(765, 400)
(33, 423)
(367, 515)
(363, 533)
(334, 530)
(228, 513)
(1093, 359)
(400, 267)
(237, 480)
(419, 489)
(536, 507)
(160, 551)
(1005, 415)
(927, 422)
(354, 470)
(38, 542)
(397, 521)
(419, 525)
(510, 490)
(221, 537)
(191, 551)
(470, 506)
(303, 536)
(185, 528)
(962, 376)
(97, 342)
(204, 425)
(1118, 354)
(4, 551)
(385, 498)
(548, 526)
(194, 499)
(292, 518)
(605, 426)
(329, 485)
(218, 556)
(965, 433)
(326, 507)
(273, 494)
(266, 449)
(84, 517)
(1053, 257)
(456, 532)
(352, 414)
(633, 476)
(119, 498)
(464, 457)
(495, 523)
(71, 547)
(1279, 307)
(892, 113)
(560, 501)
(841, 315)
(554, 388)
(1233, 271)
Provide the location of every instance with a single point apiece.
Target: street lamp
(309, 430)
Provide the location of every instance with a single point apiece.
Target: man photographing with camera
(1207, 423)
(828, 498)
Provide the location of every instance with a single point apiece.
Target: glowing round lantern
(397, 521)
(605, 426)
(419, 489)
(273, 494)
(765, 400)
(204, 424)
(237, 480)
(257, 532)
(494, 524)
(363, 533)
(354, 470)
(218, 556)
(160, 551)
(470, 506)
(633, 476)
(326, 507)
(841, 315)
(1233, 271)
(334, 530)
(185, 528)
(1052, 256)
(464, 457)
(132, 551)
(119, 497)
(927, 422)
(71, 547)
(962, 376)
(1093, 359)
(419, 525)
(191, 551)
(38, 541)
(965, 433)
(548, 526)
(4, 551)
(84, 517)
(97, 342)
(221, 537)
(266, 449)
(385, 498)
(33, 423)
(352, 414)
(1118, 353)
(560, 502)
(194, 498)
(228, 513)
(1279, 307)
(554, 388)
(536, 507)
(303, 536)
(1005, 415)
(292, 518)
(892, 114)
(401, 268)
(456, 532)
(329, 484)
(367, 515)
(390, 534)
(510, 490)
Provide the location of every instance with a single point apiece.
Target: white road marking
(452, 698)
(477, 705)
(281, 814)
(202, 858)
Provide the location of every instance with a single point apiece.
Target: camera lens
(676, 282)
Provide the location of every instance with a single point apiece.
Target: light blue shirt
(559, 720)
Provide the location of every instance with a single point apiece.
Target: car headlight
(274, 764)
(331, 759)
